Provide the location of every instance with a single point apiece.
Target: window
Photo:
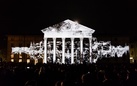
(20, 56)
(28, 56)
(28, 60)
(20, 60)
(12, 60)
(12, 55)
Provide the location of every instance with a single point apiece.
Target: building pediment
(68, 28)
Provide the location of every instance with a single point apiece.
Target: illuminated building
(64, 30)
(133, 52)
(20, 41)
(67, 42)
(15, 57)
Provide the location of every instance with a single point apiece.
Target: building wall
(20, 41)
(25, 40)
(133, 52)
(119, 40)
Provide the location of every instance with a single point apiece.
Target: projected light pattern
(70, 51)
(105, 49)
(100, 50)
(68, 29)
(35, 50)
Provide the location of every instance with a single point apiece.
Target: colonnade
(63, 50)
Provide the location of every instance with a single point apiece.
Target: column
(63, 50)
(81, 50)
(90, 50)
(54, 50)
(72, 50)
(45, 51)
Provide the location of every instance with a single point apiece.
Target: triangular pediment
(69, 28)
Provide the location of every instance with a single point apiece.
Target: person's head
(86, 78)
(100, 75)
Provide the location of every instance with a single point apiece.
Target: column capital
(53, 38)
(63, 38)
(90, 37)
(45, 38)
(81, 38)
(72, 38)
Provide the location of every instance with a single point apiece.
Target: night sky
(106, 17)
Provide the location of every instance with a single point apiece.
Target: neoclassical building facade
(20, 41)
(67, 42)
(75, 33)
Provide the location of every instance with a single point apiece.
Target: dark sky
(113, 17)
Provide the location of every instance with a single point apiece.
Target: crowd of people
(96, 74)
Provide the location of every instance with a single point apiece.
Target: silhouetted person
(88, 80)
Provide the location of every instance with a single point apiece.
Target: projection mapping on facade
(69, 43)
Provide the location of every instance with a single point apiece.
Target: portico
(67, 29)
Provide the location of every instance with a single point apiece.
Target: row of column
(63, 50)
